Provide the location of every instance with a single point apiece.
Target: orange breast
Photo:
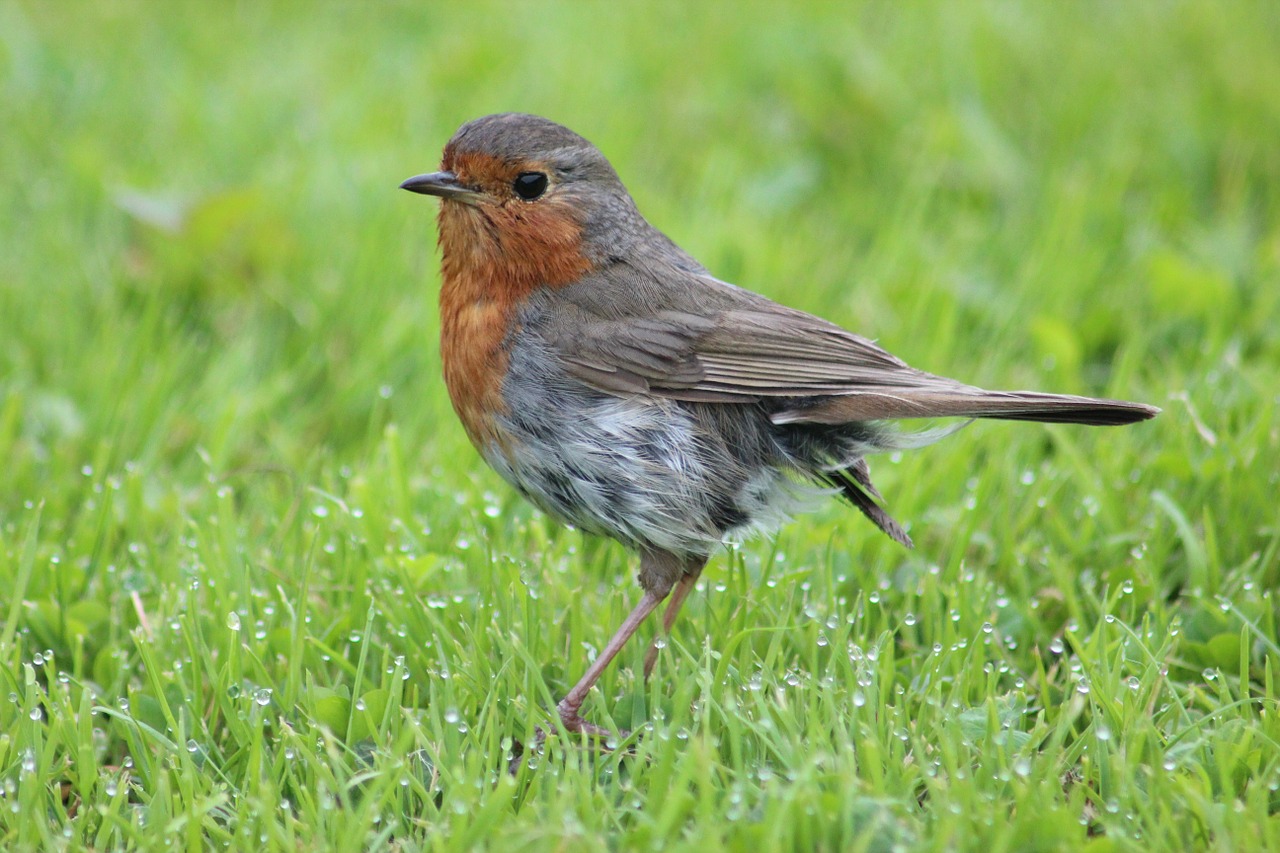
(494, 257)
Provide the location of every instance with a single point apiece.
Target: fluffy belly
(644, 471)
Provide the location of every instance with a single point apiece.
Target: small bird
(621, 388)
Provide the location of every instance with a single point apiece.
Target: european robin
(623, 389)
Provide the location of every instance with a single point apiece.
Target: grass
(259, 593)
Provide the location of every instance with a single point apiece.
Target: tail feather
(855, 486)
(965, 402)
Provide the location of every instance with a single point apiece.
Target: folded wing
(824, 373)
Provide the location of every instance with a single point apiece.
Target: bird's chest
(474, 356)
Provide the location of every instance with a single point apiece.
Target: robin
(623, 389)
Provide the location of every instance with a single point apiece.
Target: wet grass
(258, 591)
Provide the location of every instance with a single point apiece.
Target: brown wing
(738, 354)
(756, 349)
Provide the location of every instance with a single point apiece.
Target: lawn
(258, 592)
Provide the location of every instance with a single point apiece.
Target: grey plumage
(754, 386)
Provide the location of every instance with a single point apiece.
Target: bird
(622, 389)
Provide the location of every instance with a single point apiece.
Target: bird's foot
(574, 724)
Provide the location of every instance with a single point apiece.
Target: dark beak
(442, 184)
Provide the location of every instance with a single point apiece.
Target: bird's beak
(442, 184)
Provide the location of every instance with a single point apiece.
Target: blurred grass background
(248, 557)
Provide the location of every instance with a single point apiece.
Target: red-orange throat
(495, 253)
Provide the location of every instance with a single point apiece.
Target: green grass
(259, 592)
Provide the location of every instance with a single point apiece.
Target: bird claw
(574, 724)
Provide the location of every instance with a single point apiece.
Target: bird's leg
(572, 703)
(658, 573)
(693, 568)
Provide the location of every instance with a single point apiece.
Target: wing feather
(744, 349)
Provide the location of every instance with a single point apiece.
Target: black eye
(530, 185)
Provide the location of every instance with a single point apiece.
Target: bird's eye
(530, 185)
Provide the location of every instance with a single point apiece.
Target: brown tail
(966, 402)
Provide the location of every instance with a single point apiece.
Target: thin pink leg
(678, 595)
(572, 703)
